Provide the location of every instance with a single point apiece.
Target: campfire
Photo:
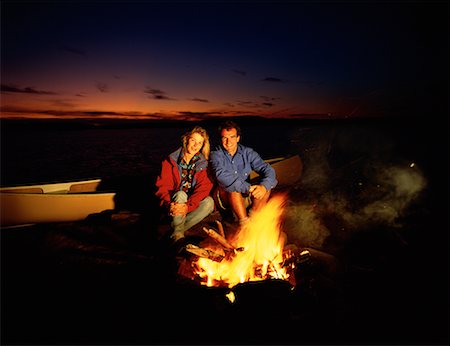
(254, 252)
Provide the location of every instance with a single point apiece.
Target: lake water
(45, 156)
(35, 154)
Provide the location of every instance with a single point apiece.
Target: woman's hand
(178, 209)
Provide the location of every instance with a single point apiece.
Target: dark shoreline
(304, 120)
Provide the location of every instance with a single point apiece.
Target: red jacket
(169, 181)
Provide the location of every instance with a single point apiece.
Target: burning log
(205, 253)
(219, 239)
(275, 271)
(297, 256)
(220, 227)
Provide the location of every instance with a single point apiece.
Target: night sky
(198, 59)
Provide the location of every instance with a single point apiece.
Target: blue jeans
(180, 224)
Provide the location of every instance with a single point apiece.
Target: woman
(183, 185)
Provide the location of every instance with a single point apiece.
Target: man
(232, 164)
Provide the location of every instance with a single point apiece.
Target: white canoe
(56, 202)
(288, 169)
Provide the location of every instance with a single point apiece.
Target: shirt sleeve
(265, 170)
(165, 183)
(227, 178)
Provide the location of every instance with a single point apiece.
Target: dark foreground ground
(111, 279)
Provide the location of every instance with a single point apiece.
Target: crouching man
(232, 164)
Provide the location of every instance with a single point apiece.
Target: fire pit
(252, 276)
(254, 252)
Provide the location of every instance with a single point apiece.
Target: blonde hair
(206, 148)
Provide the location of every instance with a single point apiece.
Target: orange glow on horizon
(132, 105)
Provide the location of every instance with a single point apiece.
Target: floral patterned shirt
(187, 173)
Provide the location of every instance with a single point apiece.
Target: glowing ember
(231, 297)
(262, 256)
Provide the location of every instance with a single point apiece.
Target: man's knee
(235, 197)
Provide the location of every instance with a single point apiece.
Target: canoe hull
(54, 202)
(30, 208)
(288, 170)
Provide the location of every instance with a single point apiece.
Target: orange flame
(262, 257)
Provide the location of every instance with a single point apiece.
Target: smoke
(304, 226)
(394, 189)
(345, 202)
(317, 172)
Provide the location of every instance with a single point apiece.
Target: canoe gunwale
(59, 187)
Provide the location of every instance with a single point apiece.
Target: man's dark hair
(228, 125)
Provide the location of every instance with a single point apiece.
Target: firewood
(220, 227)
(185, 269)
(297, 257)
(205, 253)
(217, 237)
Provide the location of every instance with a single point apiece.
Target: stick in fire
(205, 253)
(219, 239)
(220, 227)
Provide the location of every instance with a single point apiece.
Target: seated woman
(183, 186)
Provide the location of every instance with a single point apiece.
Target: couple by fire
(195, 181)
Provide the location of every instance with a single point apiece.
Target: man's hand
(178, 209)
(257, 191)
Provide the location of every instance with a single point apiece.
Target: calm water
(39, 154)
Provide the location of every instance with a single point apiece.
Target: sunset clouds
(183, 59)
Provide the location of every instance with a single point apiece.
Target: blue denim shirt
(232, 172)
